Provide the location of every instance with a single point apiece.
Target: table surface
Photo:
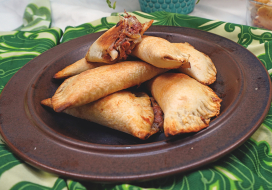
(73, 13)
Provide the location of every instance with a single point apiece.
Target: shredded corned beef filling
(158, 115)
(129, 35)
(125, 49)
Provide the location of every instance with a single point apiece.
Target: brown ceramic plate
(78, 149)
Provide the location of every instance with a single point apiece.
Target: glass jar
(259, 13)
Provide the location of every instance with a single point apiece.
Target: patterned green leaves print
(37, 16)
(248, 167)
(18, 48)
(266, 58)
(7, 159)
(24, 185)
(88, 28)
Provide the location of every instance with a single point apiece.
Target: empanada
(76, 68)
(159, 52)
(202, 68)
(96, 83)
(123, 111)
(116, 43)
(187, 104)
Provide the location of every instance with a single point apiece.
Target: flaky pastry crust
(201, 66)
(159, 52)
(187, 104)
(76, 68)
(99, 82)
(123, 111)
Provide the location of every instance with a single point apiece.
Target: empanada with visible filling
(123, 111)
(116, 43)
(202, 68)
(187, 104)
(76, 68)
(159, 52)
(96, 83)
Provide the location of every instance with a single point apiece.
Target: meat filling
(158, 115)
(129, 35)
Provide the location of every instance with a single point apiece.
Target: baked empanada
(96, 83)
(116, 43)
(123, 111)
(202, 68)
(76, 68)
(187, 104)
(159, 52)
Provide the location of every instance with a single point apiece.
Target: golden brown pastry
(116, 43)
(159, 52)
(187, 104)
(96, 83)
(202, 68)
(76, 68)
(123, 111)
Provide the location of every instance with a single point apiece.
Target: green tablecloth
(248, 167)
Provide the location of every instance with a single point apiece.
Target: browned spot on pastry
(146, 119)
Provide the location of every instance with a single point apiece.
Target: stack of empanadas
(97, 86)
